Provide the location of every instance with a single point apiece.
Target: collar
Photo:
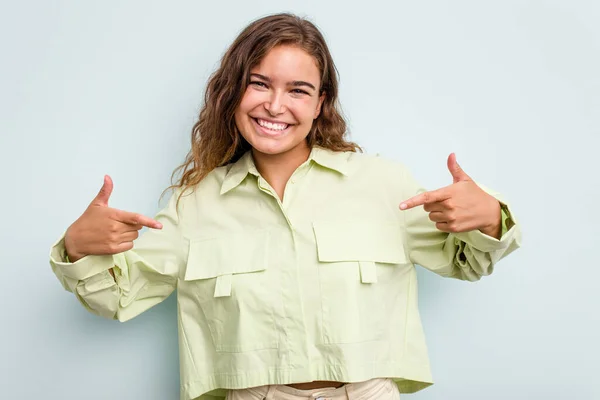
(238, 172)
(333, 160)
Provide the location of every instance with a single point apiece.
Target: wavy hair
(216, 140)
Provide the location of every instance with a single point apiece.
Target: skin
(102, 230)
(460, 207)
(284, 88)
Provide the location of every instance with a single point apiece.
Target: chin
(270, 147)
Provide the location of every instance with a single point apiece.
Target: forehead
(288, 62)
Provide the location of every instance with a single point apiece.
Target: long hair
(216, 140)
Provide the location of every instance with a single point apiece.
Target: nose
(275, 104)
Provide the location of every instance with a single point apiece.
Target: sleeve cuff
(507, 219)
(81, 269)
(485, 243)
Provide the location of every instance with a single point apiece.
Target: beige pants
(374, 389)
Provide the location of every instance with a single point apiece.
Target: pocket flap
(359, 241)
(237, 253)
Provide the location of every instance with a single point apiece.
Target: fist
(102, 230)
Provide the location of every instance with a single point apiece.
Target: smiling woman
(275, 114)
(278, 70)
(293, 254)
(279, 106)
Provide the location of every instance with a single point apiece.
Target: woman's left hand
(460, 207)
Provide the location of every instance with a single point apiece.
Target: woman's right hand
(102, 230)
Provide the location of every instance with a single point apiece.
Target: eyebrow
(292, 83)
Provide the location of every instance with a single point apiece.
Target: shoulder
(367, 163)
(382, 173)
(211, 183)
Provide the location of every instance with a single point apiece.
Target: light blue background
(513, 87)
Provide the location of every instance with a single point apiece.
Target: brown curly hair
(216, 140)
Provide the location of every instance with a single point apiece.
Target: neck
(277, 169)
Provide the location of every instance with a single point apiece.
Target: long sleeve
(465, 255)
(144, 276)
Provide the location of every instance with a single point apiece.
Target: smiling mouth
(271, 127)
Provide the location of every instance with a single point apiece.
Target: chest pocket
(361, 268)
(230, 280)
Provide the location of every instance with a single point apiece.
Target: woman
(292, 254)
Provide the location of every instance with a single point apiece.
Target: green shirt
(319, 286)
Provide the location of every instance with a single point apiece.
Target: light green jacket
(321, 286)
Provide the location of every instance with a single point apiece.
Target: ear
(318, 110)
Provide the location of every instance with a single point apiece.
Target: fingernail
(159, 225)
(403, 206)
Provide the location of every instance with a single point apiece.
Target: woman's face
(281, 102)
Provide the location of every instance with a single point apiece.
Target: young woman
(292, 253)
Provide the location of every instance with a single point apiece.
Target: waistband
(380, 388)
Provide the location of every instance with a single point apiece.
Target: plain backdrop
(89, 88)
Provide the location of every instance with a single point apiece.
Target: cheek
(251, 100)
(244, 104)
(241, 116)
(305, 110)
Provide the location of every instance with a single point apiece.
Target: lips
(273, 125)
(271, 128)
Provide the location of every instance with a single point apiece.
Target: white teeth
(269, 125)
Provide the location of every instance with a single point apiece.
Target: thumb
(103, 195)
(457, 172)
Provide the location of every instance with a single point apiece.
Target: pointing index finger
(137, 219)
(424, 198)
